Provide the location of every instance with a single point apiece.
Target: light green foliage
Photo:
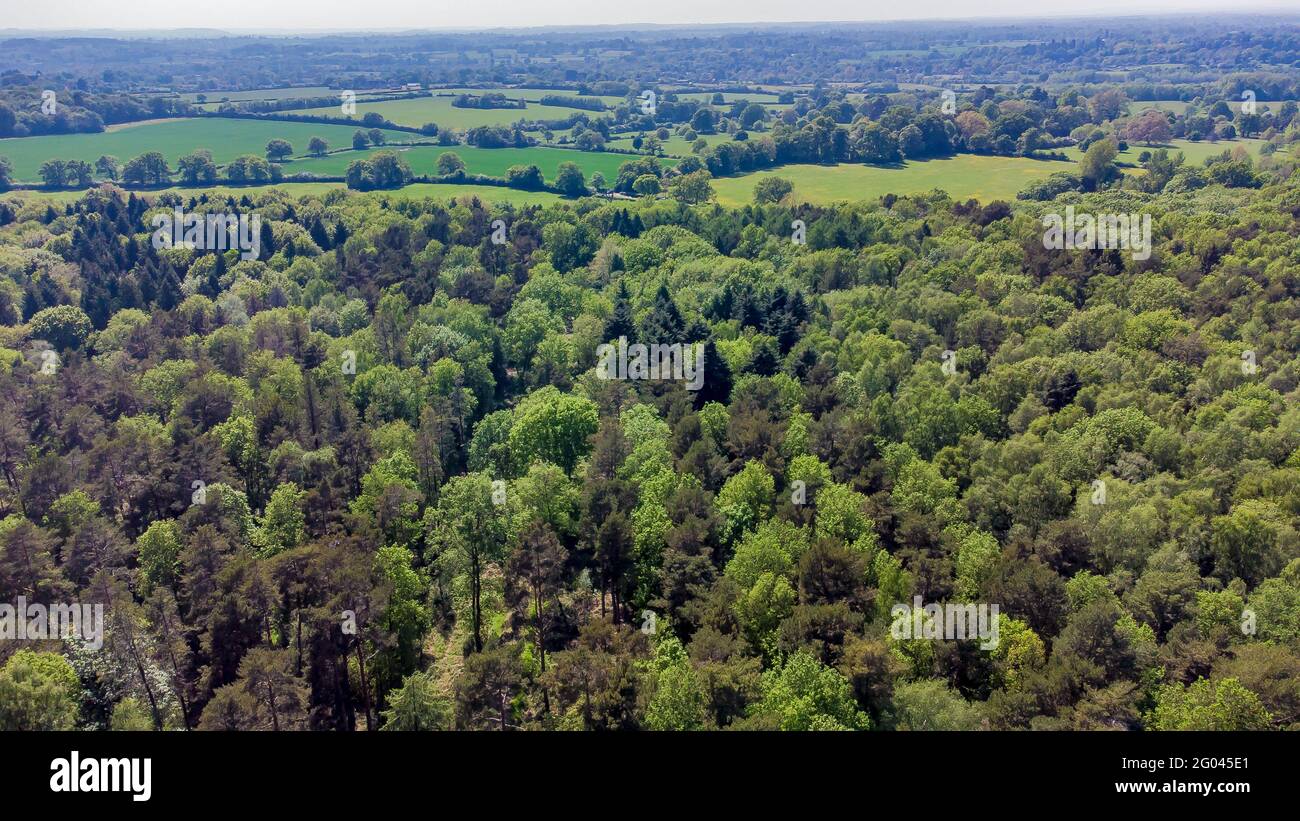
(713, 419)
(386, 392)
(1209, 705)
(489, 450)
(38, 691)
(527, 324)
(1251, 540)
(119, 329)
(63, 326)
(404, 492)
(554, 427)
(774, 547)
(1276, 604)
(761, 610)
(70, 511)
(392, 486)
(805, 695)
(977, 556)
(406, 615)
(1019, 652)
(893, 582)
(647, 435)
(840, 513)
(545, 494)
(159, 548)
(808, 469)
(746, 498)
(417, 705)
(283, 525)
(1086, 587)
(678, 699)
(130, 715)
(469, 531)
(931, 705)
(1218, 609)
(919, 488)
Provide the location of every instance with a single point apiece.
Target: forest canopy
(374, 478)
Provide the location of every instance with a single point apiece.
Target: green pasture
(674, 145)
(531, 95)
(261, 94)
(1194, 153)
(729, 97)
(490, 161)
(439, 191)
(1180, 107)
(225, 138)
(964, 176)
(420, 110)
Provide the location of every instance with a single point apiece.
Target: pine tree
(663, 325)
(320, 236)
(620, 322)
(268, 240)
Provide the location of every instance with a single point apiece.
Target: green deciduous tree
(805, 695)
(38, 691)
(1208, 705)
(554, 427)
(470, 529)
(278, 149)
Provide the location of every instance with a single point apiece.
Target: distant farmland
(964, 176)
(1194, 153)
(730, 97)
(674, 144)
(225, 138)
(1180, 107)
(420, 110)
(531, 94)
(437, 191)
(262, 94)
(490, 161)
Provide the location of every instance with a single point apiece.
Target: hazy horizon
(253, 16)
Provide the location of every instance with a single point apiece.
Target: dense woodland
(421, 509)
(373, 479)
(106, 80)
(1155, 54)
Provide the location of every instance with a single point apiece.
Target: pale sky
(299, 15)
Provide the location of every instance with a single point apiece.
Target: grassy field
(214, 106)
(675, 145)
(486, 193)
(531, 95)
(1194, 153)
(967, 175)
(225, 138)
(295, 189)
(728, 96)
(1176, 106)
(964, 176)
(1180, 107)
(420, 110)
(490, 161)
(262, 94)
